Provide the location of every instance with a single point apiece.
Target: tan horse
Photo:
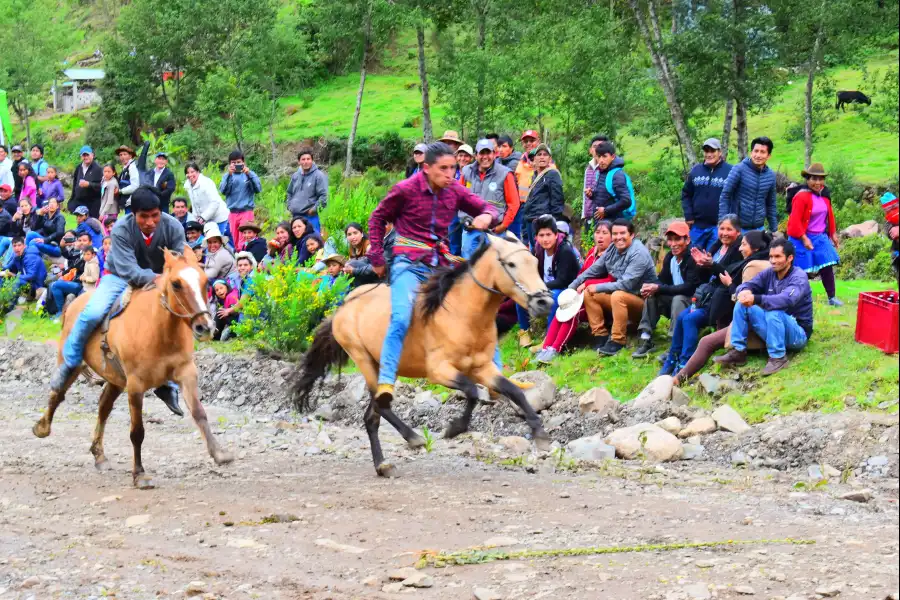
(153, 340)
(451, 339)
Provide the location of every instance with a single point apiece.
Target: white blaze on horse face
(191, 277)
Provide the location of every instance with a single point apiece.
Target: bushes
(866, 257)
(285, 308)
(9, 294)
(353, 201)
(658, 191)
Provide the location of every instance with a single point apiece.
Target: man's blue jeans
(527, 235)
(780, 330)
(686, 334)
(406, 276)
(60, 289)
(704, 237)
(314, 221)
(454, 236)
(109, 288)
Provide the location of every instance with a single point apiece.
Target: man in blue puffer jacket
(701, 192)
(26, 265)
(749, 191)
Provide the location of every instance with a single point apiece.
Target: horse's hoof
(455, 428)
(102, 465)
(387, 470)
(415, 442)
(143, 481)
(542, 441)
(40, 429)
(223, 457)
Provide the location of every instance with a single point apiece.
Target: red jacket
(801, 211)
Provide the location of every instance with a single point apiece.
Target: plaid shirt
(420, 215)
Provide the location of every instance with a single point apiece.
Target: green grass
(823, 376)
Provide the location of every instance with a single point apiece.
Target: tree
(33, 58)
(230, 101)
(367, 39)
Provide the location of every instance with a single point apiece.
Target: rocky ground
(300, 513)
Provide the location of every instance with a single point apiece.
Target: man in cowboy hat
(135, 259)
(86, 183)
(253, 244)
(451, 138)
(129, 177)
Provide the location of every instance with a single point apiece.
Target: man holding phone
(239, 186)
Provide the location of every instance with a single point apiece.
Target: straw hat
(338, 258)
(570, 303)
(816, 169)
(451, 136)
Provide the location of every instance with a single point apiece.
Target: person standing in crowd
(494, 139)
(86, 183)
(777, 306)
(451, 138)
(613, 196)
(813, 231)
(129, 176)
(415, 163)
(206, 203)
(109, 194)
(39, 164)
(163, 179)
(628, 262)
(496, 185)
(464, 157)
(18, 157)
(29, 187)
(591, 174)
(51, 187)
(673, 291)
(6, 176)
(239, 186)
(507, 155)
(181, 212)
(749, 192)
(307, 193)
(545, 194)
(524, 168)
(701, 192)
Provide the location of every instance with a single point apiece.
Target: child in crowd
(315, 249)
(29, 183)
(51, 188)
(91, 274)
(223, 299)
(279, 247)
(104, 252)
(109, 190)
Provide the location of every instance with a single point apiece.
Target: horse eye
(511, 265)
(176, 285)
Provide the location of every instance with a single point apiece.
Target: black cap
(144, 199)
(193, 225)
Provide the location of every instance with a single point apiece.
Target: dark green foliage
(866, 257)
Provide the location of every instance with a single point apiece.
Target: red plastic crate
(878, 321)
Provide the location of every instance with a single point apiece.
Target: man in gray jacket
(135, 259)
(307, 193)
(749, 192)
(630, 265)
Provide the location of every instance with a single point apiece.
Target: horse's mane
(436, 287)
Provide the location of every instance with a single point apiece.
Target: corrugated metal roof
(84, 74)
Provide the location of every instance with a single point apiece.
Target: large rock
(515, 444)
(658, 444)
(598, 400)
(861, 229)
(657, 392)
(698, 427)
(670, 424)
(680, 397)
(590, 448)
(728, 419)
(543, 394)
(715, 385)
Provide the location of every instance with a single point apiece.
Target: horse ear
(169, 257)
(189, 256)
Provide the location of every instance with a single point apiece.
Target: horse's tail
(324, 353)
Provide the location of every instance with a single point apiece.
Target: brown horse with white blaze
(451, 340)
(153, 344)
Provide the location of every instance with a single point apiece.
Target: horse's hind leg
(187, 381)
(372, 416)
(107, 400)
(42, 428)
(136, 406)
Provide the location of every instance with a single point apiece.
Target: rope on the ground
(481, 555)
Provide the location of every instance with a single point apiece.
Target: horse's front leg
(491, 377)
(135, 407)
(186, 378)
(41, 429)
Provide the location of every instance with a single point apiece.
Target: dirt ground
(300, 514)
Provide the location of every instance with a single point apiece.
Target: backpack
(631, 211)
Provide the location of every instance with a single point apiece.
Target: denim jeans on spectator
(315, 222)
(704, 237)
(60, 289)
(687, 332)
(516, 226)
(780, 330)
(527, 235)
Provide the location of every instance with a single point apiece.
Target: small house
(79, 90)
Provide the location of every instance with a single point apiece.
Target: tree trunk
(742, 135)
(482, 37)
(348, 167)
(663, 74)
(726, 127)
(808, 103)
(27, 128)
(272, 129)
(423, 82)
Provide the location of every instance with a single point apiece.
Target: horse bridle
(515, 281)
(186, 315)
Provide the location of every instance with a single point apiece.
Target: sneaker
(58, 380)
(524, 338)
(547, 355)
(774, 365)
(169, 396)
(835, 302)
(537, 348)
(41, 299)
(600, 341)
(644, 349)
(733, 358)
(670, 366)
(662, 358)
(611, 348)
(226, 333)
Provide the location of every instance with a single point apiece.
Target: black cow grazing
(851, 97)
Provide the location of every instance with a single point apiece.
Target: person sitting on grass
(300, 228)
(777, 306)
(567, 317)
(51, 225)
(358, 266)
(252, 242)
(224, 298)
(557, 266)
(334, 266)
(754, 249)
(219, 259)
(91, 274)
(315, 250)
(280, 247)
(26, 266)
(88, 224)
(628, 262)
(672, 293)
(70, 282)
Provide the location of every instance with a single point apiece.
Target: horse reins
(515, 281)
(185, 315)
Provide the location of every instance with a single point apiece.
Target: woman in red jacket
(812, 229)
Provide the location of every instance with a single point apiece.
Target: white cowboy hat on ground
(570, 303)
